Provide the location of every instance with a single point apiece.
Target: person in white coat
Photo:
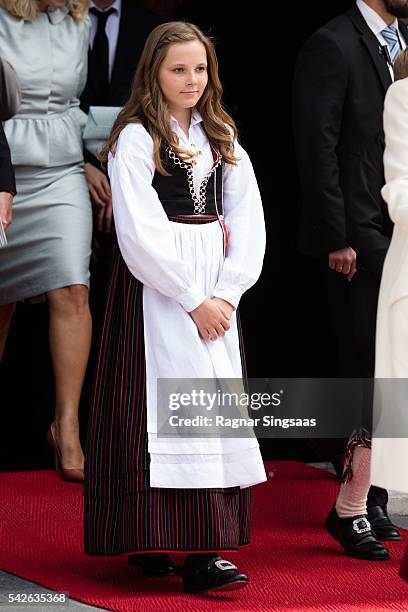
(390, 436)
(389, 455)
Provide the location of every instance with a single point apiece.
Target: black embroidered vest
(176, 192)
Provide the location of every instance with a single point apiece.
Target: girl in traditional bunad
(191, 241)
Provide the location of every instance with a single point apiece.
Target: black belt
(193, 220)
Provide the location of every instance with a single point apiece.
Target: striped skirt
(122, 513)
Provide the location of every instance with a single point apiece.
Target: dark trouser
(353, 310)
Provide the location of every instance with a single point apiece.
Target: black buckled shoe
(215, 574)
(381, 524)
(356, 537)
(154, 564)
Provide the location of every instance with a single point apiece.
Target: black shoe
(214, 574)
(381, 524)
(356, 537)
(154, 564)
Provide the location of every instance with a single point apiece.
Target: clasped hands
(212, 318)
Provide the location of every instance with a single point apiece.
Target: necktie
(99, 55)
(391, 38)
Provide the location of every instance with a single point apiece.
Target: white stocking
(352, 498)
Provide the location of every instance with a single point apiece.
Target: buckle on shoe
(361, 525)
(222, 564)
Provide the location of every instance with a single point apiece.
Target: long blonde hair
(29, 9)
(148, 106)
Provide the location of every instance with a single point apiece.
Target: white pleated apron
(174, 349)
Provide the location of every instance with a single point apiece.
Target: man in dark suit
(125, 43)
(342, 74)
(119, 30)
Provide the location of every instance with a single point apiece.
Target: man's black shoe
(356, 537)
(154, 564)
(214, 575)
(381, 524)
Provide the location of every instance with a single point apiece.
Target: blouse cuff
(192, 298)
(226, 295)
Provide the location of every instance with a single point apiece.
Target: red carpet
(293, 564)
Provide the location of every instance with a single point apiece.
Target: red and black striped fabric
(122, 513)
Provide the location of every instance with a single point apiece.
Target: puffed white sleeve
(395, 191)
(143, 230)
(244, 220)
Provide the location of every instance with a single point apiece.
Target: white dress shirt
(137, 209)
(377, 25)
(111, 29)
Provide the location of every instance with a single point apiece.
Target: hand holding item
(343, 261)
(210, 319)
(6, 202)
(101, 195)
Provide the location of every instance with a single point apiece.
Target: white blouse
(143, 229)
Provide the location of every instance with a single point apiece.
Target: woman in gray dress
(49, 241)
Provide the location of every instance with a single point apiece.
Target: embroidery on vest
(199, 197)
